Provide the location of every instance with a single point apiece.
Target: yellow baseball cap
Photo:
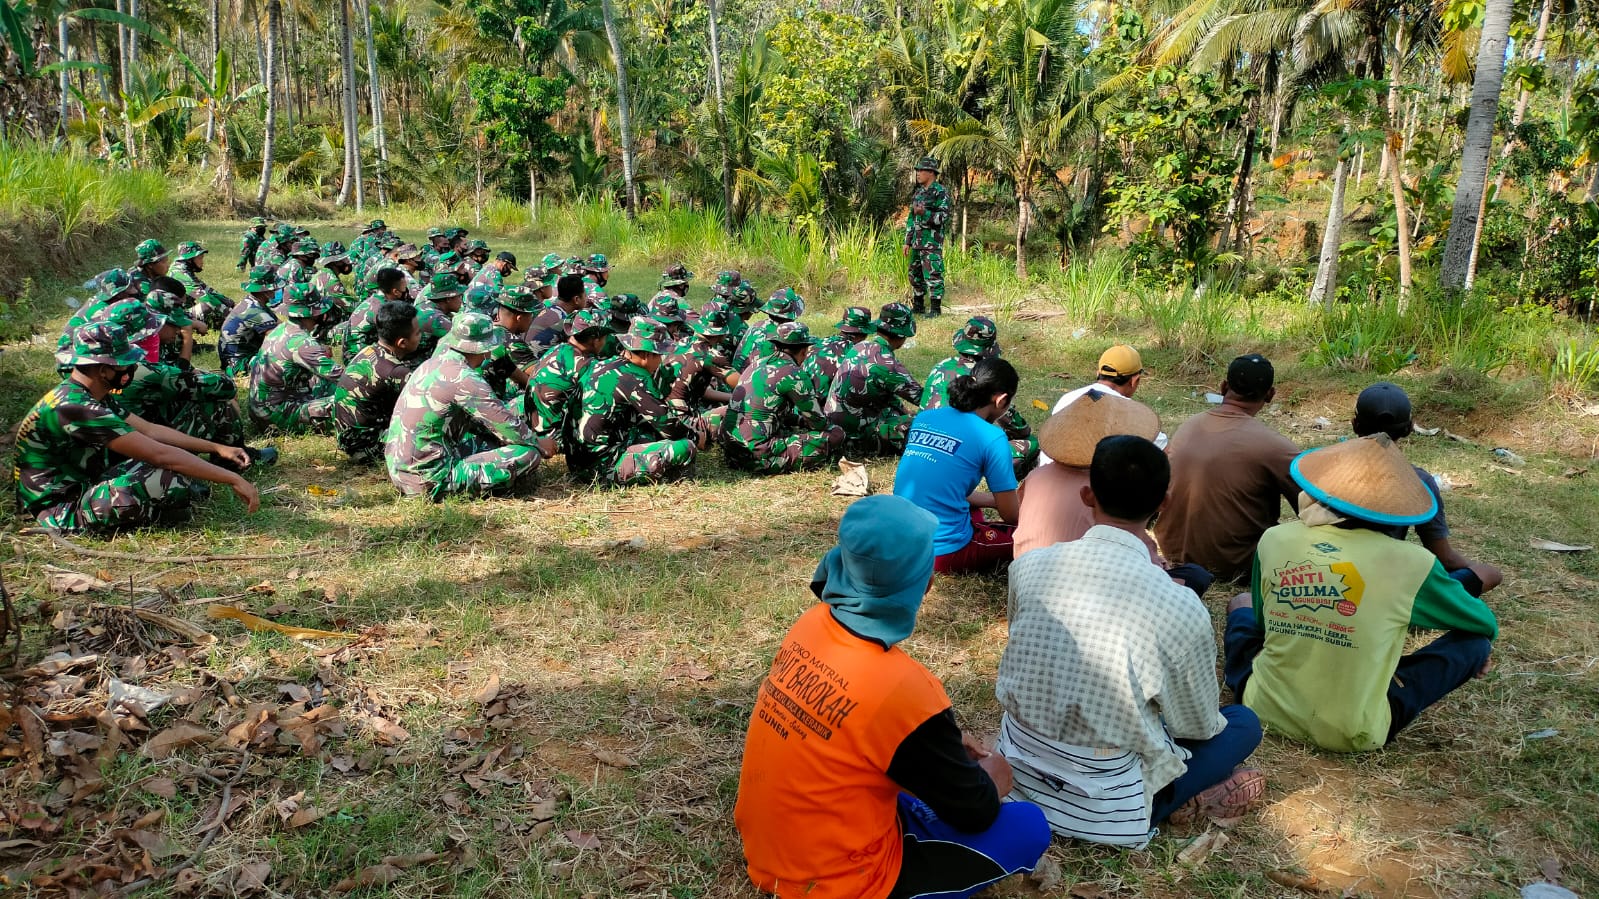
(1120, 361)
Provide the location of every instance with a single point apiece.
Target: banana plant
(221, 98)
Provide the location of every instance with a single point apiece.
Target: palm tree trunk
(721, 119)
(352, 136)
(373, 86)
(1393, 160)
(1331, 238)
(1238, 204)
(1478, 144)
(216, 48)
(133, 36)
(64, 53)
(270, 127)
(624, 116)
(532, 193)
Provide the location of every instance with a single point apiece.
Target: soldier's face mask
(121, 377)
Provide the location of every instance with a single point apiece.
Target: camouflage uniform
(363, 402)
(206, 305)
(596, 272)
(198, 403)
(978, 339)
(490, 276)
(699, 367)
(296, 269)
(553, 385)
(622, 308)
(625, 432)
(548, 327)
(293, 378)
(275, 251)
(667, 310)
(365, 244)
(822, 363)
(864, 398)
(775, 422)
(147, 253)
(250, 243)
(248, 324)
(924, 236)
(756, 346)
(434, 446)
(434, 320)
(136, 319)
(67, 478)
(511, 354)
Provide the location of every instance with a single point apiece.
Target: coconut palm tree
(624, 116)
(269, 134)
(1473, 181)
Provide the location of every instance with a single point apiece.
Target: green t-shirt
(1336, 605)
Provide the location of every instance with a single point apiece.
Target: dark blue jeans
(949, 864)
(1210, 761)
(1422, 678)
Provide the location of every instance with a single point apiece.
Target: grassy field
(550, 692)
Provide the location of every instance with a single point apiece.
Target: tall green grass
(59, 194)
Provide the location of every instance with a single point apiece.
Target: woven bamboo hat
(1366, 478)
(1070, 435)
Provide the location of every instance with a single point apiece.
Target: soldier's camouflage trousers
(1024, 455)
(132, 494)
(209, 412)
(800, 451)
(212, 309)
(295, 418)
(492, 471)
(645, 463)
(880, 434)
(927, 279)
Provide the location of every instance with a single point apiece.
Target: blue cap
(876, 576)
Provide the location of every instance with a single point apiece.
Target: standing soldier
(250, 321)
(625, 433)
(250, 242)
(822, 361)
(978, 339)
(924, 238)
(292, 379)
(864, 398)
(451, 436)
(209, 308)
(553, 387)
(783, 306)
(363, 403)
(696, 382)
(775, 422)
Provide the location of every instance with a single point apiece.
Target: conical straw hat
(1367, 478)
(1070, 435)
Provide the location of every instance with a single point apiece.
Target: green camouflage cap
(539, 276)
(978, 337)
(587, 321)
(665, 309)
(169, 307)
(895, 320)
(104, 343)
(597, 263)
(150, 251)
(388, 242)
(263, 279)
(857, 320)
(110, 284)
(407, 251)
(333, 251)
(551, 261)
(448, 259)
(792, 334)
(726, 283)
(715, 320)
(190, 249)
(303, 300)
(258, 222)
(785, 305)
(443, 286)
(647, 336)
(572, 266)
(928, 164)
(745, 298)
(472, 332)
(284, 231)
(305, 248)
(623, 307)
(302, 231)
(458, 231)
(373, 226)
(137, 319)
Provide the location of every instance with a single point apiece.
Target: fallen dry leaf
(306, 816)
(163, 744)
(252, 877)
(688, 671)
(159, 786)
(63, 580)
(1552, 546)
(1201, 847)
(489, 692)
(387, 731)
(615, 759)
(581, 839)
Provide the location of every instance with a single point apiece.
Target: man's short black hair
(387, 278)
(569, 287)
(394, 320)
(1129, 477)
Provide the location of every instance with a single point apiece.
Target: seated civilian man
(1109, 677)
(857, 783)
(1384, 408)
(1229, 476)
(1315, 647)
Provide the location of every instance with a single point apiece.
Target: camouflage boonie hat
(136, 319)
(665, 309)
(597, 263)
(435, 232)
(169, 307)
(303, 300)
(473, 332)
(487, 296)
(551, 261)
(745, 298)
(928, 164)
(676, 276)
(190, 249)
(447, 261)
(726, 283)
(896, 320)
(305, 248)
(258, 222)
(587, 321)
(856, 320)
(539, 276)
(302, 231)
(333, 251)
(408, 251)
(647, 336)
(372, 227)
(443, 286)
(263, 279)
(103, 343)
(785, 305)
(623, 308)
(389, 242)
(453, 233)
(715, 320)
(979, 337)
(150, 251)
(284, 231)
(792, 334)
(109, 284)
(571, 266)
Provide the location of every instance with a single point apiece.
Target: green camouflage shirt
(755, 345)
(924, 230)
(363, 401)
(209, 306)
(242, 334)
(936, 393)
(249, 247)
(621, 406)
(689, 372)
(822, 363)
(553, 389)
(428, 433)
(291, 369)
(870, 379)
(779, 398)
(63, 446)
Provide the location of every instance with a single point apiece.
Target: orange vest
(816, 809)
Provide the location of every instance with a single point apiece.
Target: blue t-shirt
(947, 454)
